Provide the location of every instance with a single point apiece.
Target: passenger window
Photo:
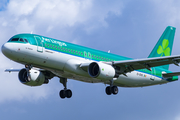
(21, 40)
(15, 39)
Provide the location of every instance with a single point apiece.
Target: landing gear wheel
(68, 93)
(62, 94)
(65, 92)
(114, 90)
(111, 90)
(108, 90)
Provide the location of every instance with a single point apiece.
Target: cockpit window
(21, 40)
(15, 39)
(26, 40)
(18, 39)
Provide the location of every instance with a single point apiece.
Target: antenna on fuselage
(109, 51)
(31, 32)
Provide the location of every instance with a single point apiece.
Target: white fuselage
(67, 66)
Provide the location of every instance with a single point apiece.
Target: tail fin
(164, 45)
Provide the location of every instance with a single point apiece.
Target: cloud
(44, 17)
(12, 89)
(48, 14)
(3, 4)
(168, 11)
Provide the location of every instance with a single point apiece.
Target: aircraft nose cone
(7, 49)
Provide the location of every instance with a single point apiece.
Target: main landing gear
(66, 92)
(111, 89)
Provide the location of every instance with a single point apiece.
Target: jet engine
(31, 78)
(101, 71)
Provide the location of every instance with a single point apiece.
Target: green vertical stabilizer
(164, 45)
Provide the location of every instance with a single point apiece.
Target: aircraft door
(87, 55)
(153, 72)
(39, 44)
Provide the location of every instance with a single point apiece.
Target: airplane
(45, 58)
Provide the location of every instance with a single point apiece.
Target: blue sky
(129, 28)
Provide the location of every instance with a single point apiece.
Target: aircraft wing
(131, 65)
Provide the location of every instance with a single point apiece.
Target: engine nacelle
(33, 78)
(101, 71)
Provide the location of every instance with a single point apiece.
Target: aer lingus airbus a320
(45, 58)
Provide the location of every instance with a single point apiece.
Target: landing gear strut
(66, 92)
(28, 68)
(111, 89)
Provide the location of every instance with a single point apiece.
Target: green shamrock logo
(164, 49)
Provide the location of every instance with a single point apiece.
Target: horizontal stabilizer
(17, 70)
(12, 70)
(166, 75)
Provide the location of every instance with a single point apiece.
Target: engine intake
(101, 71)
(33, 78)
(94, 70)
